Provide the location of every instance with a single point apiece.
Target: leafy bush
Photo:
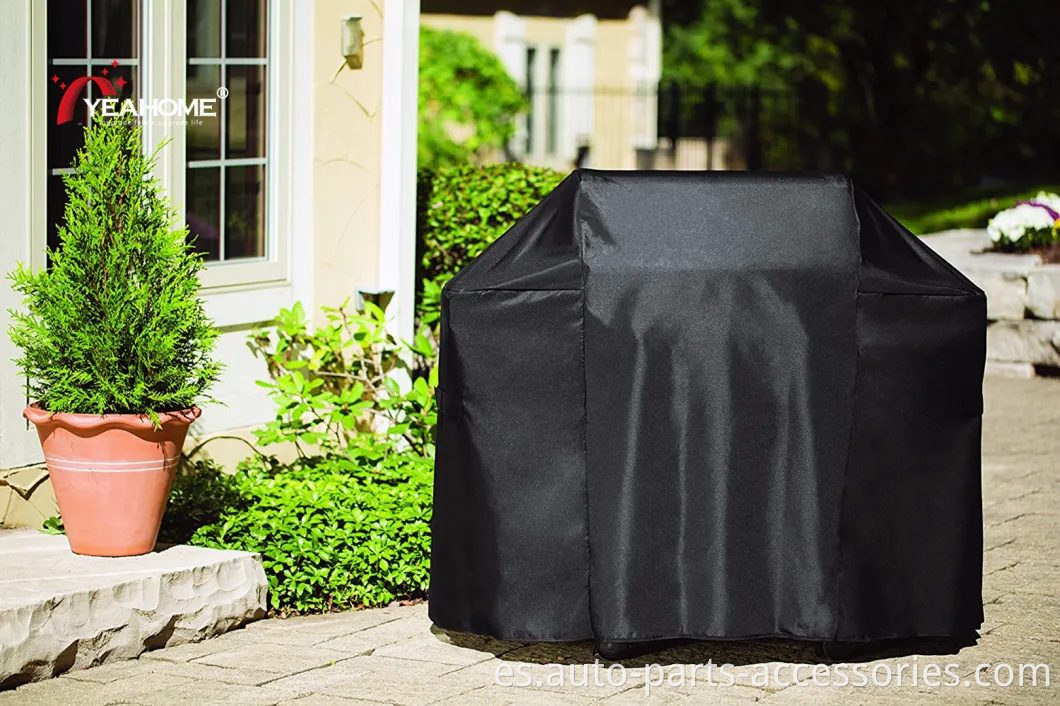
(337, 382)
(463, 209)
(348, 523)
(115, 324)
(468, 102)
(333, 534)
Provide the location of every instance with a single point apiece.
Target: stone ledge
(1022, 299)
(1036, 342)
(60, 611)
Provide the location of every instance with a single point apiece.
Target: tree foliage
(730, 43)
(929, 94)
(115, 324)
(467, 101)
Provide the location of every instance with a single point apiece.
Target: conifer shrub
(115, 325)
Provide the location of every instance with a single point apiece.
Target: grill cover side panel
(509, 529)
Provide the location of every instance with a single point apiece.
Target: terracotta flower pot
(111, 475)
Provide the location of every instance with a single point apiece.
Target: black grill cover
(709, 405)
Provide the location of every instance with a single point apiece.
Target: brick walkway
(394, 656)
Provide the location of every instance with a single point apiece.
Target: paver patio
(393, 655)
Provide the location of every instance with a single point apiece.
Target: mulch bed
(1050, 254)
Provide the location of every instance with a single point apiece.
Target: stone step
(60, 611)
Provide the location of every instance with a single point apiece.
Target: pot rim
(36, 414)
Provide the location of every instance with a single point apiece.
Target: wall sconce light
(353, 41)
(378, 296)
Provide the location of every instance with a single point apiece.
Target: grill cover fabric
(709, 405)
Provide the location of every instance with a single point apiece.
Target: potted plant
(115, 346)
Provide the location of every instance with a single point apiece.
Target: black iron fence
(676, 127)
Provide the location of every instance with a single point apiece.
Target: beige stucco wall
(346, 154)
(613, 128)
(480, 27)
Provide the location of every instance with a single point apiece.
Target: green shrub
(348, 523)
(463, 209)
(468, 102)
(333, 534)
(115, 324)
(338, 382)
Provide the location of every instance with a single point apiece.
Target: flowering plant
(1027, 224)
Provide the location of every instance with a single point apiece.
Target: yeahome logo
(109, 106)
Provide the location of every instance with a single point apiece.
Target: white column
(23, 186)
(579, 79)
(645, 68)
(509, 43)
(397, 222)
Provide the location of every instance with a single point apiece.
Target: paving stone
(415, 625)
(439, 647)
(55, 692)
(285, 659)
(322, 677)
(208, 672)
(631, 697)
(106, 673)
(194, 650)
(325, 626)
(399, 681)
(206, 693)
(325, 700)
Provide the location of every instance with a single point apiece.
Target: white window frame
(23, 151)
(241, 292)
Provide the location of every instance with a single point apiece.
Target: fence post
(710, 122)
(674, 126)
(754, 132)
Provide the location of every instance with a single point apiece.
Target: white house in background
(302, 188)
(590, 68)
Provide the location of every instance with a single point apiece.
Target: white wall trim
(300, 238)
(397, 222)
(23, 124)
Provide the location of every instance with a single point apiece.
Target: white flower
(1014, 222)
(1050, 200)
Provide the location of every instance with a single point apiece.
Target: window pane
(67, 29)
(204, 141)
(203, 210)
(204, 28)
(553, 101)
(244, 212)
(245, 24)
(531, 61)
(114, 25)
(123, 78)
(64, 140)
(245, 112)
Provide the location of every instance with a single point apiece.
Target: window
(531, 94)
(227, 157)
(553, 101)
(543, 87)
(85, 38)
(230, 174)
